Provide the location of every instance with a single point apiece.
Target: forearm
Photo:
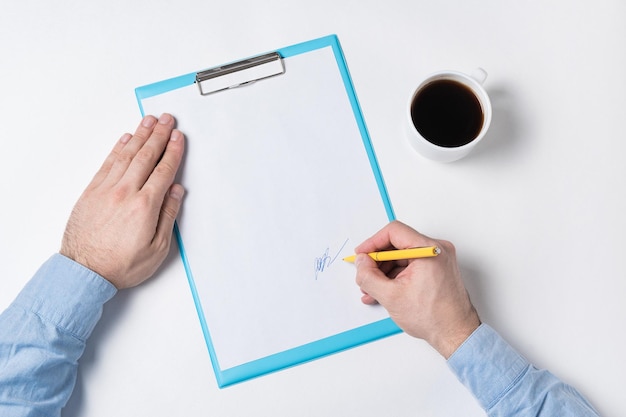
(505, 384)
(43, 334)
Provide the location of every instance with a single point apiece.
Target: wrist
(448, 341)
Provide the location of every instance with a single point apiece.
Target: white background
(536, 212)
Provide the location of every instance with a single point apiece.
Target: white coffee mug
(433, 119)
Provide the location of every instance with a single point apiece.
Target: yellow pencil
(395, 255)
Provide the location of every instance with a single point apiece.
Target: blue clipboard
(234, 97)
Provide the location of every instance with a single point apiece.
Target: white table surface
(537, 212)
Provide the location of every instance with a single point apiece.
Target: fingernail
(358, 260)
(125, 138)
(148, 121)
(176, 135)
(165, 119)
(177, 193)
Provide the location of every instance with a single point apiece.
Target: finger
(105, 169)
(372, 281)
(147, 158)
(368, 299)
(394, 235)
(163, 174)
(171, 206)
(142, 134)
(133, 145)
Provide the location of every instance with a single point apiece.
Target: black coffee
(447, 113)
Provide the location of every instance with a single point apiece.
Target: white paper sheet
(279, 189)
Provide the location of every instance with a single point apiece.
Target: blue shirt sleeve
(505, 384)
(43, 334)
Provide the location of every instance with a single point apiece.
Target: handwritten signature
(325, 261)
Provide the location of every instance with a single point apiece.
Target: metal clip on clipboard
(239, 73)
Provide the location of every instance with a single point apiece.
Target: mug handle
(480, 75)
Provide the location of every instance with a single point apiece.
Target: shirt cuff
(487, 365)
(67, 295)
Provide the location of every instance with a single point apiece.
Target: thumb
(372, 281)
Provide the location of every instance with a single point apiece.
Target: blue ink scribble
(325, 261)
